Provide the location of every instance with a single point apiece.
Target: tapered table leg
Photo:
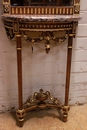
(20, 111)
(69, 55)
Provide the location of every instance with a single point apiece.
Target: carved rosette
(76, 6)
(6, 6)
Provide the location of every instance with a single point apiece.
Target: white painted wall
(41, 70)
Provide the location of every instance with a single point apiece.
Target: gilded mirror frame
(41, 10)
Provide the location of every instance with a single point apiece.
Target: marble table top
(42, 18)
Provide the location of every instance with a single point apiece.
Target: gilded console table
(19, 21)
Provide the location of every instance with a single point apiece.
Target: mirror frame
(41, 10)
(41, 2)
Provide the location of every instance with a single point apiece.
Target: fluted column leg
(20, 111)
(69, 55)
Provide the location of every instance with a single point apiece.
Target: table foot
(20, 123)
(65, 113)
(20, 115)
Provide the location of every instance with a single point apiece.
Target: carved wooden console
(50, 19)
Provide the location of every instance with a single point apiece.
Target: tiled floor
(47, 120)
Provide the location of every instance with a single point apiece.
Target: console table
(47, 25)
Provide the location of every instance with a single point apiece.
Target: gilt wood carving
(54, 20)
